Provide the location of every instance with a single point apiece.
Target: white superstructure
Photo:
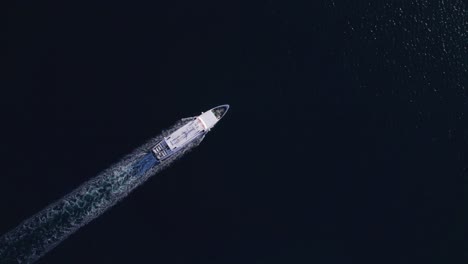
(188, 132)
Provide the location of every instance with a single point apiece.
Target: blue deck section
(144, 164)
(162, 150)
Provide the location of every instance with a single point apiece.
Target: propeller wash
(42, 232)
